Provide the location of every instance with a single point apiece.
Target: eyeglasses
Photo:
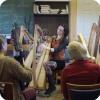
(60, 30)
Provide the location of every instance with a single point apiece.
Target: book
(54, 9)
(38, 9)
(35, 8)
(67, 10)
(45, 5)
(63, 11)
(52, 0)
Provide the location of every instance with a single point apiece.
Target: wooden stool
(55, 73)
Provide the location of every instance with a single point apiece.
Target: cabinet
(49, 14)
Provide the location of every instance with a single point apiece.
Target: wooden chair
(67, 58)
(8, 91)
(57, 75)
(80, 90)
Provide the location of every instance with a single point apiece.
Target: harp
(91, 38)
(82, 40)
(97, 43)
(29, 58)
(39, 75)
(25, 32)
(97, 39)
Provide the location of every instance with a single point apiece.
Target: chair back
(82, 88)
(84, 94)
(66, 55)
(8, 91)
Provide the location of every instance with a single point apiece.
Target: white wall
(88, 12)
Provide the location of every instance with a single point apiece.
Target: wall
(88, 12)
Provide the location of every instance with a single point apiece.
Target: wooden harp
(82, 40)
(26, 33)
(97, 39)
(39, 75)
(25, 47)
(91, 38)
(97, 44)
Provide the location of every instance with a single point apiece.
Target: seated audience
(12, 71)
(81, 71)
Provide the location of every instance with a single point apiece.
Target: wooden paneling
(51, 22)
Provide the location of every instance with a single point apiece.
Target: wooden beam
(73, 20)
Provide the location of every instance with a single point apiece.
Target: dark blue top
(63, 45)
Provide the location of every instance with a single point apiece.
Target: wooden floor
(56, 95)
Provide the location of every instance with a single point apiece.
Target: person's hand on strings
(42, 46)
(30, 44)
(36, 62)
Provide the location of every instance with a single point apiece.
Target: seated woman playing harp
(57, 61)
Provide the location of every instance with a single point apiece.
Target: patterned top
(59, 48)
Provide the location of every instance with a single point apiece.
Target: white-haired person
(81, 71)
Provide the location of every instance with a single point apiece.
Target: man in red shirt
(81, 71)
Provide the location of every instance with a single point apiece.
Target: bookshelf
(49, 14)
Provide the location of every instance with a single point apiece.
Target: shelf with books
(51, 1)
(48, 14)
(52, 14)
(51, 8)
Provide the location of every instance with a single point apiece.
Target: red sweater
(81, 72)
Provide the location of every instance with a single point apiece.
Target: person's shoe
(49, 91)
(46, 91)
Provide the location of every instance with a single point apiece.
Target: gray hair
(2, 41)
